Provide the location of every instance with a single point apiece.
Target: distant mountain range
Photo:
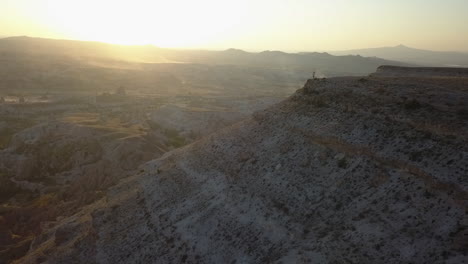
(347, 62)
(411, 55)
(322, 63)
(79, 49)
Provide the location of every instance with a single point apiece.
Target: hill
(323, 64)
(412, 55)
(84, 50)
(354, 169)
(78, 63)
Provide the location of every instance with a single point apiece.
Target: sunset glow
(255, 24)
(165, 23)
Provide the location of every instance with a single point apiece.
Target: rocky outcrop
(395, 71)
(355, 170)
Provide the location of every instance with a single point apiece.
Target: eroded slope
(356, 170)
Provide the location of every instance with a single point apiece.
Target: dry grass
(111, 127)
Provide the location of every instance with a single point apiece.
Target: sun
(163, 23)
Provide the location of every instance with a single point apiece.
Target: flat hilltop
(425, 72)
(354, 169)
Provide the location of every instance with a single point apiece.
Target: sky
(288, 25)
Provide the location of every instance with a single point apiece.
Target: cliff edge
(427, 72)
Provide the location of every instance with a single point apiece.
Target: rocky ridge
(356, 170)
(428, 72)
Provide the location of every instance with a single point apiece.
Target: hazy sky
(290, 25)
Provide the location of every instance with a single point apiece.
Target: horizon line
(229, 48)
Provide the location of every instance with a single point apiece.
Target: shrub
(412, 104)
(174, 138)
(415, 156)
(463, 113)
(319, 102)
(343, 163)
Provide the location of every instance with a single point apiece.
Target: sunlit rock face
(359, 170)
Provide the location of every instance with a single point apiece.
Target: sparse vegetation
(174, 138)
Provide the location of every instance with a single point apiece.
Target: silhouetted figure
(2, 100)
(22, 100)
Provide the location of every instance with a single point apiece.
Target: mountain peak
(232, 50)
(401, 46)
